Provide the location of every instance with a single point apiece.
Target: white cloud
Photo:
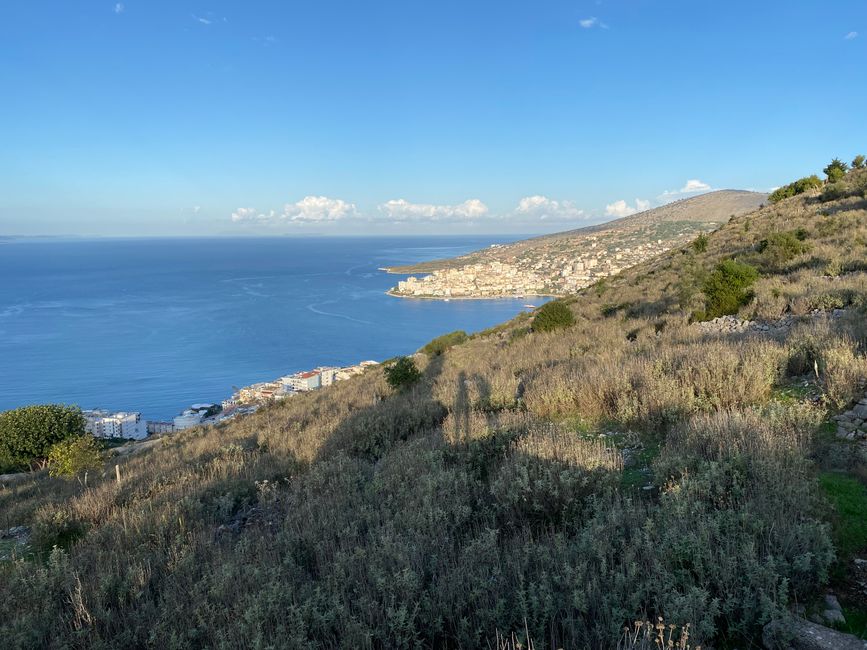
(201, 19)
(244, 214)
(118, 8)
(622, 209)
(590, 23)
(318, 208)
(545, 208)
(851, 35)
(310, 209)
(403, 210)
(692, 186)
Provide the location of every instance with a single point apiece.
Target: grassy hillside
(633, 464)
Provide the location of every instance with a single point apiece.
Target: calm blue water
(155, 325)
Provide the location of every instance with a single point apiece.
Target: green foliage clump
(793, 189)
(699, 244)
(781, 247)
(442, 343)
(858, 162)
(403, 373)
(727, 288)
(835, 170)
(75, 455)
(27, 433)
(552, 316)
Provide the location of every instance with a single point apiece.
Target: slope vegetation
(632, 464)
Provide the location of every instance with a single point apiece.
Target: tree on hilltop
(835, 170)
(858, 162)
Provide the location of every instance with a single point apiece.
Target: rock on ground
(809, 636)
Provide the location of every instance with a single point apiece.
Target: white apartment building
(104, 424)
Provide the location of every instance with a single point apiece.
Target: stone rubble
(852, 425)
(734, 325)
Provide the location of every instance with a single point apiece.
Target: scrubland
(557, 485)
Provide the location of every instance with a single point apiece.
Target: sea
(154, 325)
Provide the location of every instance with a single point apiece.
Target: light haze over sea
(154, 325)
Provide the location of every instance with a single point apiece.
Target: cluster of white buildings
(557, 267)
(288, 385)
(123, 424)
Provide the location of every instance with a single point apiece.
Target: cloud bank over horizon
(530, 210)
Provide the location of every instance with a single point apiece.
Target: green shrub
(27, 433)
(798, 187)
(402, 373)
(700, 243)
(858, 162)
(73, 456)
(835, 170)
(442, 343)
(727, 288)
(553, 315)
(781, 247)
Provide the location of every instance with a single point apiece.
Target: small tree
(402, 373)
(27, 433)
(73, 456)
(700, 243)
(858, 162)
(553, 315)
(836, 170)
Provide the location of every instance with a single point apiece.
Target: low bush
(793, 189)
(781, 247)
(699, 244)
(727, 289)
(553, 315)
(75, 455)
(402, 373)
(442, 343)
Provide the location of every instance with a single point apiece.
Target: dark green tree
(402, 373)
(700, 243)
(835, 170)
(553, 315)
(27, 433)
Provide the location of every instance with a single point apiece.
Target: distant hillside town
(563, 263)
(129, 424)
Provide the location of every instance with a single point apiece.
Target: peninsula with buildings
(561, 264)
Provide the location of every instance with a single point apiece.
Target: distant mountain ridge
(564, 262)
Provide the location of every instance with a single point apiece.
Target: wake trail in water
(312, 307)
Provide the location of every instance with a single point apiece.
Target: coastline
(506, 296)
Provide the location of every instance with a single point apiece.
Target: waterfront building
(104, 424)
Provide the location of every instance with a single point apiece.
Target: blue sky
(153, 117)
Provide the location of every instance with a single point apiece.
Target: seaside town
(549, 272)
(562, 264)
(129, 424)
